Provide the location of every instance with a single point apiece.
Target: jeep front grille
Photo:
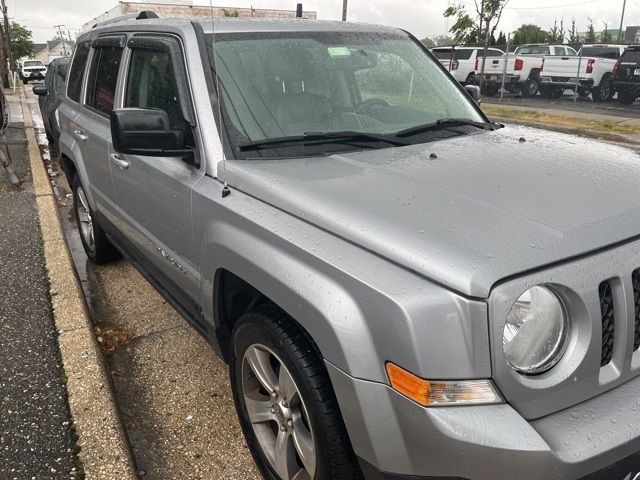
(608, 325)
(636, 301)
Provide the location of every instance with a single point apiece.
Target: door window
(152, 84)
(103, 77)
(77, 71)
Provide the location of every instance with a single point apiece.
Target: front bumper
(397, 438)
(34, 75)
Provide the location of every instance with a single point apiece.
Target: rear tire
(627, 97)
(292, 405)
(94, 240)
(603, 92)
(530, 88)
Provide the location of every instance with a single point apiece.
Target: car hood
(491, 205)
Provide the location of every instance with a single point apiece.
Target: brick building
(186, 9)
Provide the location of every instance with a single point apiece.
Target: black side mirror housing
(40, 90)
(146, 131)
(474, 93)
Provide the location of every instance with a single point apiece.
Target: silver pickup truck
(402, 289)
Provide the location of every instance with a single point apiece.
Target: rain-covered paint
(487, 208)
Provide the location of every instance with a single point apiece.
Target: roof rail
(143, 15)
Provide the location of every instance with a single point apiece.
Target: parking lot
(172, 391)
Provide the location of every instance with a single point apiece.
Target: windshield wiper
(444, 123)
(345, 136)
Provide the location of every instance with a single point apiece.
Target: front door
(93, 133)
(154, 193)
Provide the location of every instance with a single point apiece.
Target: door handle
(121, 163)
(81, 136)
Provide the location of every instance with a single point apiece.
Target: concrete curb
(581, 132)
(105, 452)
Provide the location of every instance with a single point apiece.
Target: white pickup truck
(463, 62)
(523, 69)
(32, 70)
(591, 70)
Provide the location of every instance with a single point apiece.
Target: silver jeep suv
(401, 288)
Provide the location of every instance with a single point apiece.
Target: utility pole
(61, 35)
(7, 33)
(344, 10)
(624, 5)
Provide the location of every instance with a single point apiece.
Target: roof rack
(143, 15)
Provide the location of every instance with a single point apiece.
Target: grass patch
(536, 116)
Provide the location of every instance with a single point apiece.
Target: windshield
(33, 63)
(278, 85)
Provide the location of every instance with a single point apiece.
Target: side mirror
(143, 131)
(40, 90)
(474, 93)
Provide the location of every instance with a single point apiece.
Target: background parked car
(51, 95)
(32, 70)
(463, 62)
(525, 64)
(596, 64)
(626, 75)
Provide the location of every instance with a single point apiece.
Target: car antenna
(225, 189)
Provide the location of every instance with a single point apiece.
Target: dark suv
(626, 75)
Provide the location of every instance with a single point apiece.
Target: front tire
(285, 402)
(94, 239)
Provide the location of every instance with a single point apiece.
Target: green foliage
(574, 36)
(590, 37)
(529, 33)
(606, 36)
(502, 39)
(556, 33)
(21, 41)
(464, 29)
(227, 13)
(437, 41)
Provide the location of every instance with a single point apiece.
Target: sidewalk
(36, 432)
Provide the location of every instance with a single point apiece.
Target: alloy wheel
(84, 219)
(278, 414)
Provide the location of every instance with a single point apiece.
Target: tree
(489, 13)
(437, 41)
(590, 37)
(574, 36)
(464, 29)
(556, 33)
(529, 33)
(502, 40)
(606, 36)
(21, 41)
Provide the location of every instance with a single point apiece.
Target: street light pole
(624, 5)
(344, 10)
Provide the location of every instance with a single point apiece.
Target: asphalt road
(36, 438)
(566, 102)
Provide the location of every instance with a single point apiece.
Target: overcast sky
(421, 17)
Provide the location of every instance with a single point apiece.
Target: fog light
(435, 393)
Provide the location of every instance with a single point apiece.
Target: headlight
(535, 334)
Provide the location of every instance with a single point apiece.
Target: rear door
(94, 129)
(154, 193)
